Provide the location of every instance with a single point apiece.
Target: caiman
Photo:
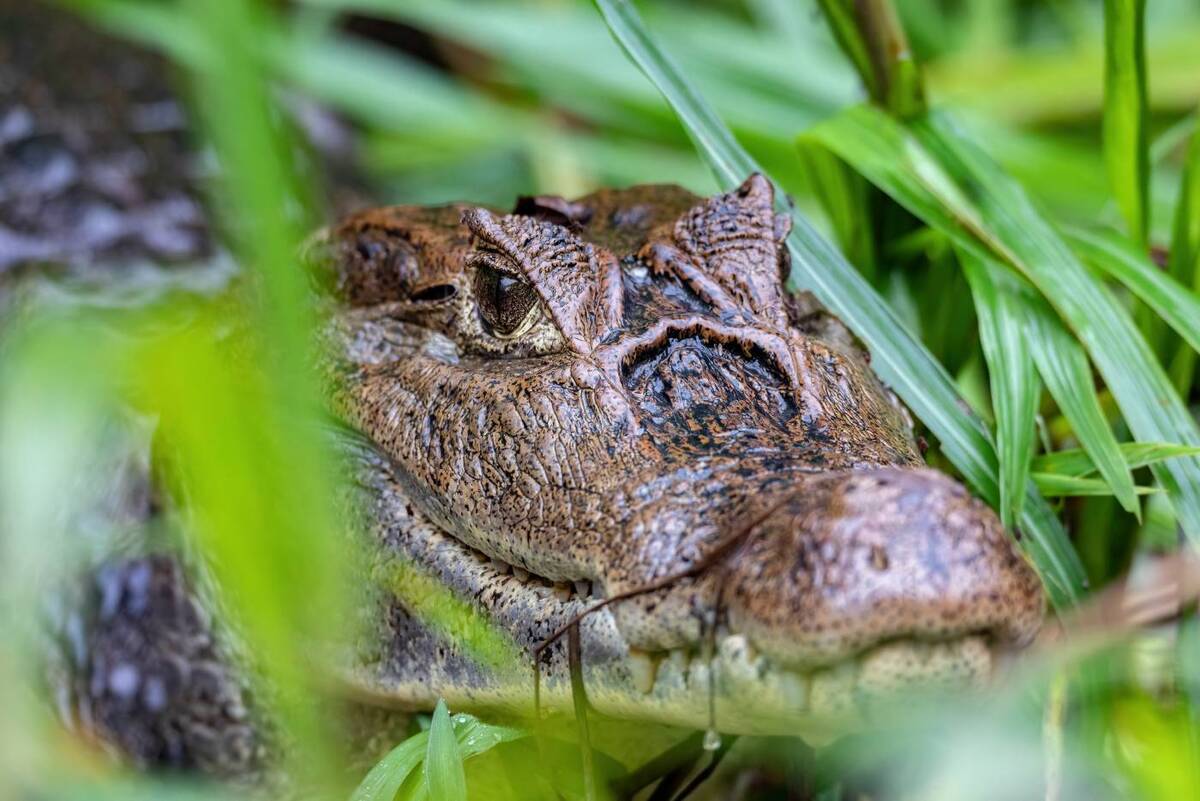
(606, 412)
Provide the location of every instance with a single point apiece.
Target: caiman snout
(846, 561)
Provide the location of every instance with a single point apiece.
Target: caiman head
(614, 399)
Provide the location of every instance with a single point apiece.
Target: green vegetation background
(1002, 200)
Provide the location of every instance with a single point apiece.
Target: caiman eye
(504, 300)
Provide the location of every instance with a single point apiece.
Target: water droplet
(712, 740)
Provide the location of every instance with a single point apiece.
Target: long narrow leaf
(1076, 462)
(1185, 236)
(1126, 148)
(1013, 379)
(1064, 367)
(1054, 485)
(984, 208)
(899, 359)
(1175, 303)
(1185, 248)
(445, 779)
(388, 775)
(871, 36)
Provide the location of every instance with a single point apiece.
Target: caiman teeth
(561, 591)
(644, 668)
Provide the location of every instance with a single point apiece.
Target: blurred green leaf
(1014, 382)
(844, 198)
(476, 737)
(1077, 462)
(1184, 263)
(901, 361)
(1176, 304)
(1042, 86)
(444, 777)
(472, 736)
(1055, 485)
(1064, 367)
(1155, 747)
(389, 774)
(871, 36)
(1166, 142)
(238, 410)
(954, 187)
(841, 16)
(461, 621)
(1126, 145)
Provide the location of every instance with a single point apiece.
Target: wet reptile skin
(664, 407)
(572, 403)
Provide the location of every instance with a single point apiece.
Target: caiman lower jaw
(735, 692)
(752, 694)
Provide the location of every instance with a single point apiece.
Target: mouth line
(968, 654)
(750, 692)
(753, 692)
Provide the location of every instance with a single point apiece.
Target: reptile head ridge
(614, 398)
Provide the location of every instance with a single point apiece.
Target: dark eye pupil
(504, 300)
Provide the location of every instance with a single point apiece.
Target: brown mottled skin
(576, 402)
(641, 399)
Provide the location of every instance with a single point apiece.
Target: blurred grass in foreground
(511, 107)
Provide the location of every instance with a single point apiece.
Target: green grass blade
(1078, 462)
(871, 36)
(475, 737)
(1185, 237)
(385, 779)
(981, 207)
(840, 15)
(445, 779)
(1178, 305)
(845, 200)
(1012, 376)
(1185, 248)
(1126, 148)
(900, 360)
(1064, 367)
(1054, 485)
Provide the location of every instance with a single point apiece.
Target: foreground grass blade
(1185, 235)
(899, 359)
(1178, 305)
(1126, 148)
(1064, 367)
(444, 776)
(1076, 462)
(1185, 249)
(957, 189)
(1013, 379)
(388, 775)
(1054, 485)
(871, 36)
(472, 735)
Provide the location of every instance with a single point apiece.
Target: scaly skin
(659, 408)
(642, 426)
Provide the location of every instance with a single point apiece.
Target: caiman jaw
(759, 688)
